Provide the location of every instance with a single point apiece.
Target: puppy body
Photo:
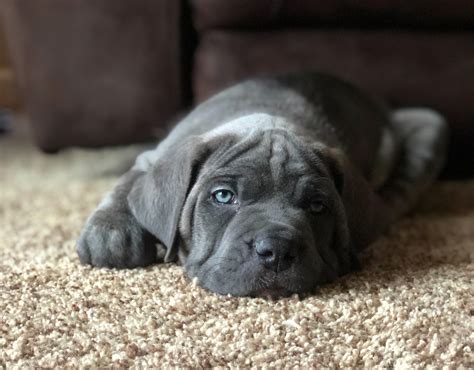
(313, 169)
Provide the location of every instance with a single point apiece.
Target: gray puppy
(271, 187)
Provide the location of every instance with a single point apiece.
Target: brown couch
(114, 71)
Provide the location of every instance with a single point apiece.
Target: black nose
(275, 254)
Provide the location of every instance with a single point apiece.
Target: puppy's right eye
(223, 196)
(317, 207)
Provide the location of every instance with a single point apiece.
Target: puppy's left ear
(157, 198)
(333, 160)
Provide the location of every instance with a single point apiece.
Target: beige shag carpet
(411, 306)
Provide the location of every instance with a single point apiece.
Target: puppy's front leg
(112, 237)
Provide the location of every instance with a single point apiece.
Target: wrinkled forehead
(267, 150)
(270, 152)
(245, 125)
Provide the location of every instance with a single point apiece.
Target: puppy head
(254, 215)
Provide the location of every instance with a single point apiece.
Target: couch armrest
(95, 73)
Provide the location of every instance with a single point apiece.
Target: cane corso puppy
(271, 187)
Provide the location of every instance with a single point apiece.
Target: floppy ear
(333, 160)
(157, 198)
(366, 211)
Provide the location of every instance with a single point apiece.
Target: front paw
(115, 239)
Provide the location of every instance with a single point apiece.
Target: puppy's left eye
(317, 207)
(223, 196)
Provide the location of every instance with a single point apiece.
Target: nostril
(264, 249)
(265, 253)
(289, 257)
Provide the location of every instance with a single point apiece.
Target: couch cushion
(365, 13)
(406, 69)
(95, 72)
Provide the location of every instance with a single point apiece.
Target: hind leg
(420, 143)
(422, 136)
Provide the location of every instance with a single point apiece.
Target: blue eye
(223, 196)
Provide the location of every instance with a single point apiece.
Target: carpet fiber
(411, 305)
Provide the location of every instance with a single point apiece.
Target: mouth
(273, 292)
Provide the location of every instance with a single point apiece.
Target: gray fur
(320, 171)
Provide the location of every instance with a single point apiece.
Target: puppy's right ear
(157, 198)
(333, 160)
